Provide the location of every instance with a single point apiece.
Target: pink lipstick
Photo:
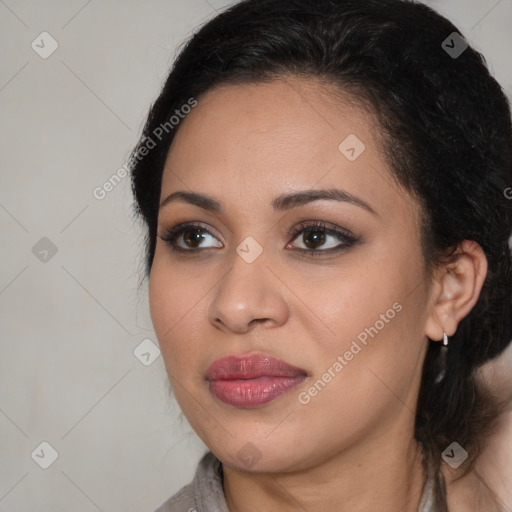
(252, 380)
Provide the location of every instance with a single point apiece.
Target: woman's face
(351, 316)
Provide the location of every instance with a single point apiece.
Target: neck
(385, 474)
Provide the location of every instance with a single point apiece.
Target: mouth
(252, 380)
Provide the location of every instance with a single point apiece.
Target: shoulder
(182, 501)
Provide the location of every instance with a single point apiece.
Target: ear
(455, 289)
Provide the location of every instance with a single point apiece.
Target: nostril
(259, 320)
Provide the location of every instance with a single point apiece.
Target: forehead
(255, 140)
(279, 119)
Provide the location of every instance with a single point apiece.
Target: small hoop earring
(443, 349)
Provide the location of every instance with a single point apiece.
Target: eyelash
(346, 238)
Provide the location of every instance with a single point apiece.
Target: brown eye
(314, 238)
(316, 235)
(317, 238)
(191, 235)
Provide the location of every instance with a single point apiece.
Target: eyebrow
(283, 202)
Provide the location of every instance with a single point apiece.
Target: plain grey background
(73, 372)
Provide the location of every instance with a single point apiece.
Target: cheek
(373, 323)
(160, 300)
(176, 307)
(167, 304)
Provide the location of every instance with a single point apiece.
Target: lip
(252, 380)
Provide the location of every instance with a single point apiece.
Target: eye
(316, 234)
(193, 235)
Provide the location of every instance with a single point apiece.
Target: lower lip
(253, 392)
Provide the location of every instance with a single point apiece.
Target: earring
(443, 349)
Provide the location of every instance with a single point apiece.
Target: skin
(351, 447)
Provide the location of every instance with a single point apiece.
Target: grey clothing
(205, 492)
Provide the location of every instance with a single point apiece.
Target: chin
(260, 454)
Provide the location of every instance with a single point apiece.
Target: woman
(323, 184)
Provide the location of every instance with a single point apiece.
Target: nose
(248, 294)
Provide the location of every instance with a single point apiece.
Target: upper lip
(251, 367)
